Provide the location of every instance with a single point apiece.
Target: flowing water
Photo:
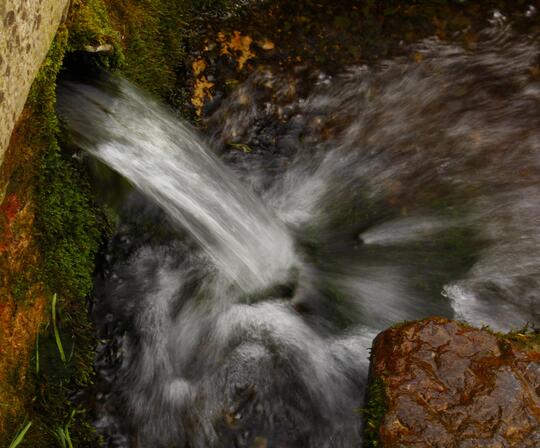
(240, 294)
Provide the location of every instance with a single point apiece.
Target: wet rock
(439, 383)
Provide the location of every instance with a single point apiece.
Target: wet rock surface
(451, 385)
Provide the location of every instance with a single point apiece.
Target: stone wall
(27, 28)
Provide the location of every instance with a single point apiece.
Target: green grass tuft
(63, 435)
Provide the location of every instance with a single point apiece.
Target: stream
(237, 301)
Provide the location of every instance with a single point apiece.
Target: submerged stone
(450, 385)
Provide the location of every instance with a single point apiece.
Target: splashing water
(169, 163)
(391, 193)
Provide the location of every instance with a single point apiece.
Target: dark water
(239, 297)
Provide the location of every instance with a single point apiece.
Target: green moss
(525, 338)
(89, 25)
(374, 412)
(67, 221)
(42, 95)
(68, 234)
(20, 287)
(153, 38)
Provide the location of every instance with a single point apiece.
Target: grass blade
(56, 332)
(37, 352)
(19, 438)
(68, 438)
(59, 433)
(63, 437)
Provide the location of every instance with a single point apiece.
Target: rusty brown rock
(450, 385)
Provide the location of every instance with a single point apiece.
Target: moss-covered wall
(48, 240)
(50, 227)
